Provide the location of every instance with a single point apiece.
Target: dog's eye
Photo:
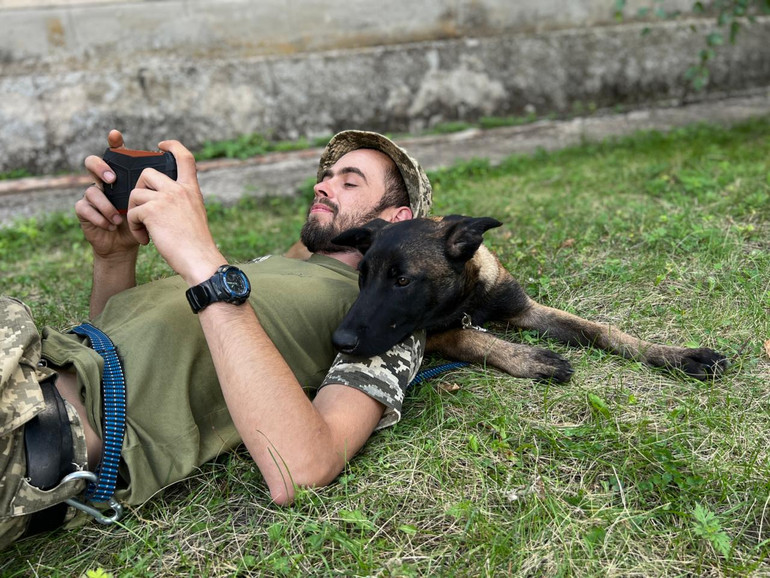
(402, 281)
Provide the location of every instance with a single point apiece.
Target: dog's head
(412, 276)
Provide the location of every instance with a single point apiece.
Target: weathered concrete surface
(118, 31)
(197, 70)
(282, 174)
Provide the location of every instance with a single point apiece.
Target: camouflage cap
(417, 183)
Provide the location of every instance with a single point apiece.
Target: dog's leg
(514, 358)
(701, 363)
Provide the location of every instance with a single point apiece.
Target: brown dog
(435, 274)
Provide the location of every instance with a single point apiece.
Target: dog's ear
(466, 235)
(360, 238)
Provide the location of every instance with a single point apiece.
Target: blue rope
(434, 371)
(114, 403)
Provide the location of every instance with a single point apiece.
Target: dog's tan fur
(456, 277)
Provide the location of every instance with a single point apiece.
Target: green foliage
(98, 573)
(599, 405)
(451, 127)
(707, 526)
(250, 145)
(15, 174)
(727, 14)
(488, 122)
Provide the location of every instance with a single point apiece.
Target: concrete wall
(198, 70)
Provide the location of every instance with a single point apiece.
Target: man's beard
(317, 237)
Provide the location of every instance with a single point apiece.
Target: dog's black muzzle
(345, 341)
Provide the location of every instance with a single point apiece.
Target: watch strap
(199, 296)
(213, 290)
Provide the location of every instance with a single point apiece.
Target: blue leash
(434, 371)
(114, 403)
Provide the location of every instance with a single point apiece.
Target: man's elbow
(282, 497)
(283, 490)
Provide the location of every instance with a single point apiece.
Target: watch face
(236, 282)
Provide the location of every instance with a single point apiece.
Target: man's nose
(322, 189)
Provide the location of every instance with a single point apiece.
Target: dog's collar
(468, 323)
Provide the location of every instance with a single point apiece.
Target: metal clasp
(468, 323)
(99, 516)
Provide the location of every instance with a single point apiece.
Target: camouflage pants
(21, 399)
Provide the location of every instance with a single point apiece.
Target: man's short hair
(419, 194)
(396, 194)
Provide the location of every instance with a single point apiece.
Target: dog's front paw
(702, 363)
(550, 366)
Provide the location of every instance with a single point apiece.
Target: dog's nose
(345, 341)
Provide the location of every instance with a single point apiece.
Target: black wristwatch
(228, 284)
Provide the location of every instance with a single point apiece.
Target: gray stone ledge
(53, 117)
(282, 174)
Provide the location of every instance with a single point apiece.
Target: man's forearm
(277, 422)
(286, 435)
(111, 276)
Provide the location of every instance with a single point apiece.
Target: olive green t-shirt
(177, 417)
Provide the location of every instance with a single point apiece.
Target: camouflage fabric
(21, 399)
(417, 183)
(383, 377)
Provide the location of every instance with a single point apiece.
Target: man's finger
(153, 180)
(135, 218)
(86, 213)
(115, 139)
(97, 199)
(185, 161)
(100, 170)
(140, 196)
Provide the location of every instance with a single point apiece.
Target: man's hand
(173, 214)
(103, 226)
(115, 248)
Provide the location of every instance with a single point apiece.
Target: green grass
(14, 174)
(254, 144)
(257, 144)
(626, 470)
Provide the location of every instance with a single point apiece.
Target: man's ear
(360, 238)
(401, 214)
(466, 235)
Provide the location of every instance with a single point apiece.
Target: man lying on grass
(252, 362)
